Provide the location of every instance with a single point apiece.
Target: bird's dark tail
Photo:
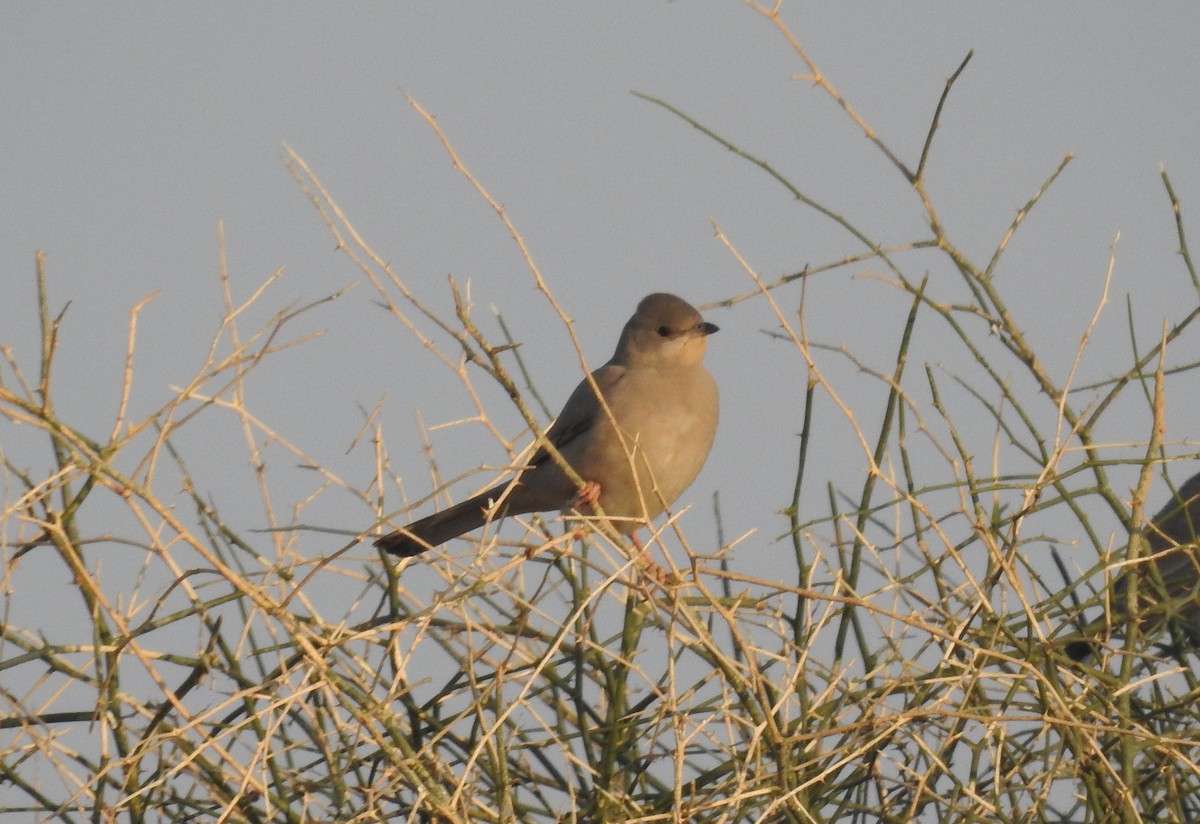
(1080, 649)
(434, 530)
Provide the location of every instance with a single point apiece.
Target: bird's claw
(588, 495)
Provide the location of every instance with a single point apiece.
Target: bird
(1168, 589)
(636, 452)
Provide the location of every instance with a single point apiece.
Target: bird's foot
(657, 572)
(588, 495)
(660, 574)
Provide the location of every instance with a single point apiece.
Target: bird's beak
(707, 328)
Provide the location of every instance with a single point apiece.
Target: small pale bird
(1169, 584)
(634, 463)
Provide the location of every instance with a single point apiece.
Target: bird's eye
(664, 331)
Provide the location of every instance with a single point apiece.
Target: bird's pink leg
(588, 496)
(656, 570)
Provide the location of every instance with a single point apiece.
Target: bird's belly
(667, 448)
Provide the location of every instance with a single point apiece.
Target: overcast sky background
(129, 131)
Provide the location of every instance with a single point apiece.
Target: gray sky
(129, 131)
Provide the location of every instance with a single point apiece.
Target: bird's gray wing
(1178, 522)
(1172, 538)
(580, 412)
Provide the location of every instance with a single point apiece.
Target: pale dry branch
(902, 661)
